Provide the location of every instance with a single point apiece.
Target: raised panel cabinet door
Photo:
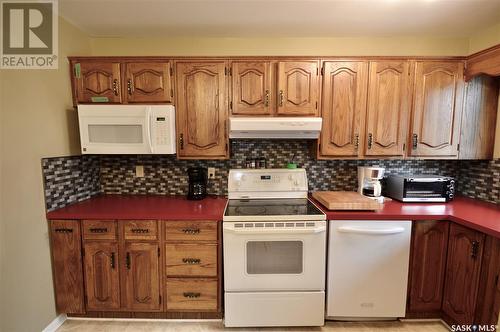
(102, 277)
(343, 107)
(298, 88)
(149, 82)
(428, 266)
(141, 276)
(97, 82)
(67, 266)
(488, 304)
(388, 104)
(437, 108)
(251, 88)
(465, 251)
(202, 110)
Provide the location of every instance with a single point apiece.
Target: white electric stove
(274, 250)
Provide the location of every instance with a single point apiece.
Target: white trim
(145, 320)
(56, 323)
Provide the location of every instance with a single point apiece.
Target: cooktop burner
(271, 207)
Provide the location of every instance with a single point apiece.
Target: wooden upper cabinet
(141, 277)
(465, 250)
(298, 88)
(428, 266)
(437, 108)
(388, 104)
(251, 88)
(148, 82)
(97, 81)
(343, 108)
(102, 275)
(202, 110)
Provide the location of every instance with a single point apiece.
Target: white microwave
(127, 129)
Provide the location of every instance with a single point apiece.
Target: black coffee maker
(198, 177)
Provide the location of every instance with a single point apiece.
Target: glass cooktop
(271, 207)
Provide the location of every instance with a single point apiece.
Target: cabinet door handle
(414, 141)
(127, 261)
(266, 103)
(64, 230)
(98, 230)
(191, 261)
(370, 140)
(181, 141)
(474, 249)
(115, 87)
(129, 86)
(356, 141)
(191, 231)
(139, 230)
(282, 97)
(112, 260)
(191, 295)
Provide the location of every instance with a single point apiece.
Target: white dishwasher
(367, 269)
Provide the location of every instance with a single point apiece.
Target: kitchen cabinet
(102, 276)
(97, 82)
(427, 268)
(388, 107)
(251, 88)
(343, 108)
(437, 108)
(66, 252)
(202, 110)
(298, 88)
(149, 82)
(488, 304)
(465, 252)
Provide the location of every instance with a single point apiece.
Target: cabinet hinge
(231, 105)
(230, 71)
(458, 147)
(316, 105)
(158, 252)
(317, 71)
(404, 146)
(171, 92)
(323, 71)
(225, 71)
(160, 299)
(171, 71)
(496, 280)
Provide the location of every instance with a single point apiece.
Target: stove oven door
(274, 256)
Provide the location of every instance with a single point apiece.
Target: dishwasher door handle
(370, 231)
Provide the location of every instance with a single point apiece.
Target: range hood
(266, 127)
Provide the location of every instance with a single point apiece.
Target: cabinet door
(102, 279)
(97, 82)
(251, 88)
(298, 88)
(343, 108)
(67, 266)
(488, 305)
(428, 265)
(149, 82)
(388, 103)
(201, 110)
(141, 277)
(437, 108)
(465, 250)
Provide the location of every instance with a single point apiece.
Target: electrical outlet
(211, 173)
(139, 171)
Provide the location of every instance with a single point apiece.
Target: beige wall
(37, 121)
(484, 39)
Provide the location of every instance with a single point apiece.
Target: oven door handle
(371, 231)
(314, 230)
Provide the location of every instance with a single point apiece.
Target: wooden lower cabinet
(488, 304)
(428, 265)
(191, 259)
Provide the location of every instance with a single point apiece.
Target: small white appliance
(274, 242)
(369, 182)
(127, 129)
(367, 269)
(277, 127)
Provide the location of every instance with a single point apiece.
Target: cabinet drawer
(191, 294)
(191, 230)
(141, 230)
(99, 230)
(191, 260)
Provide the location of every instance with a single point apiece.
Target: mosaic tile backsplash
(70, 179)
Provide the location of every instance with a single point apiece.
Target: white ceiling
(281, 18)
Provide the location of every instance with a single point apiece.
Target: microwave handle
(149, 129)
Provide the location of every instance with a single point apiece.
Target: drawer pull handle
(191, 295)
(191, 231)
(64, 230)
(98, 230)
(139, 230)
(191, 260)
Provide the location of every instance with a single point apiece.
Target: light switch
(211, 173)
(139, 171)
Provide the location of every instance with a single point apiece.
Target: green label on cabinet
(99, 99)
(78, 70)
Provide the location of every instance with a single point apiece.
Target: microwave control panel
(163, 130)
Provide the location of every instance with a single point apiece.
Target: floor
(209, 326)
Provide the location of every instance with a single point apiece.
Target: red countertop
(482, 216)
(141, 207)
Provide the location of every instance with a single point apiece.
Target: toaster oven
(420, 188)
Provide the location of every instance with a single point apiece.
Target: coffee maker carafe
(369, 181)
(197, 183)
